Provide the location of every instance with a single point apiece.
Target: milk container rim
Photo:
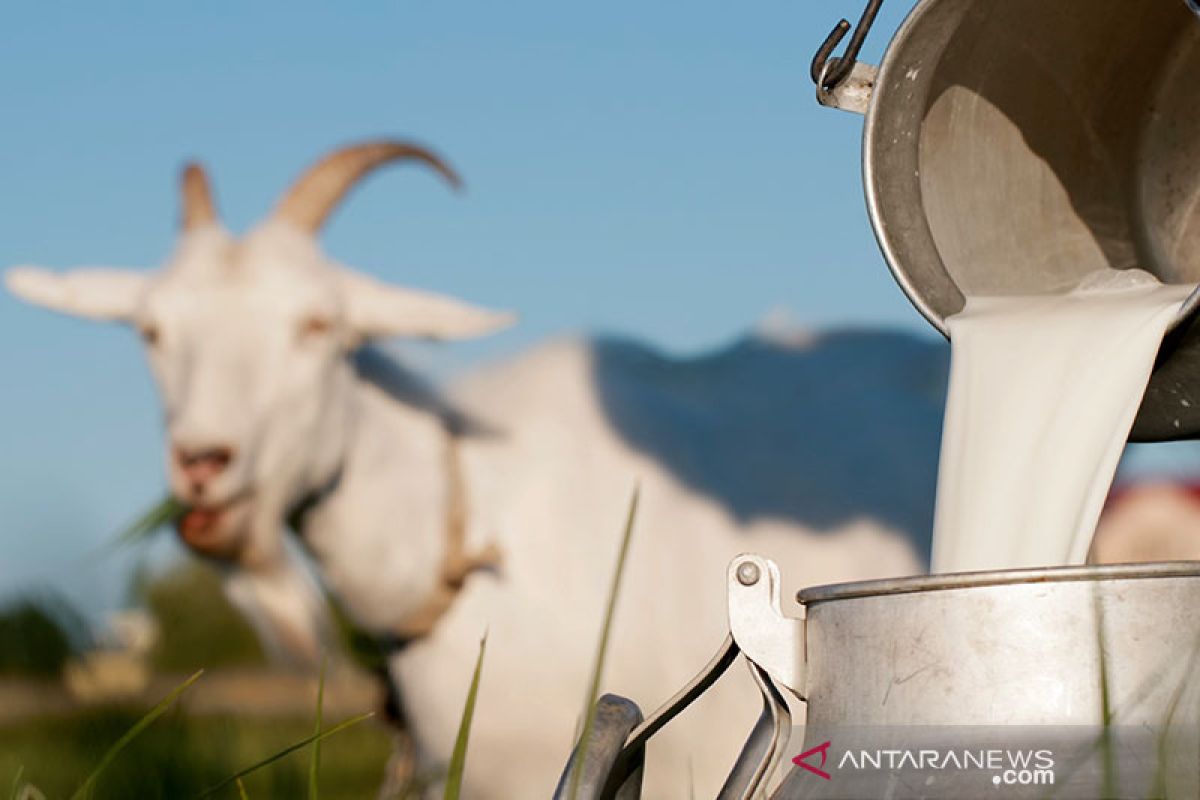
(1007, 577)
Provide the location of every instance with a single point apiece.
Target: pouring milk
(1043, 393)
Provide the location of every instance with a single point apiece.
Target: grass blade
(1162, 746)
(458, 759)
(16, 784)
(167, 511)
(1106, 709)
(589, 716)
(241, 787)
(88, 786)
(314, 764)
(287, 751)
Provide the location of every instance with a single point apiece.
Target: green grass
(314, 762)
(113, 753)
(237, 778)
(589, 714)
(1108, 754)
(86, 789)
(164, 513)
(458, 759)
(181, 755)
(17, 784)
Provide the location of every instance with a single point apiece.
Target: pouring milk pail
(1017, 147)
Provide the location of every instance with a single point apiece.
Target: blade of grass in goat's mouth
(166, 512)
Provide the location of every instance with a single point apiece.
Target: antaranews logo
(801, 760)
(1007, 767)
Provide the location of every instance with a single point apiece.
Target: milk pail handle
(606, 775)
(843, 81)
(774, 646)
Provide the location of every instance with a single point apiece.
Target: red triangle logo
(823, 749)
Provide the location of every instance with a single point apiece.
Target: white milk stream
(1043, 393)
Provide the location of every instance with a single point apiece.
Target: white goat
(275, 412)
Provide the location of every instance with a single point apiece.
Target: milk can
(1015, 146)
(1067, 682)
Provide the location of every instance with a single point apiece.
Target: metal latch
(764, 634)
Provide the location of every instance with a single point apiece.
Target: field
(239, 712)
(182, 755)
(60, 716)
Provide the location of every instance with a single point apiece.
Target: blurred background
(661, 171)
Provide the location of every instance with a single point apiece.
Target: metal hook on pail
(828, 70)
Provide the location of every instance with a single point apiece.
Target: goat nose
(201, 465)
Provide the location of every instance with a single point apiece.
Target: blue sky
(660, 170)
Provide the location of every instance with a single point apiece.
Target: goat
(496, 504)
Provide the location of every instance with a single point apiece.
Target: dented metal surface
(1040, 647)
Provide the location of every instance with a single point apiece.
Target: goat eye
(149, 334)
(314, 326)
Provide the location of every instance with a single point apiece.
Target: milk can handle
(828, 70)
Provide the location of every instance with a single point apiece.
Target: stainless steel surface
(964, 580)
(614, 772)
(983, 650)
(612, 769)
(634, 750)
(1085, 648)
(757, 623)
(615, 717)
(853, 94)
(1016, 146)
(1076, 646)
(764, 749)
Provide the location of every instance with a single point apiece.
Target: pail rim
(969, 580)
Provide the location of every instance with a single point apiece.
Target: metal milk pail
(1015, 146)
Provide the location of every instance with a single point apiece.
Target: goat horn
(198, 208)
(314, 196)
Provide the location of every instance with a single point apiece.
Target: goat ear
(377, 310)
(102, 294)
